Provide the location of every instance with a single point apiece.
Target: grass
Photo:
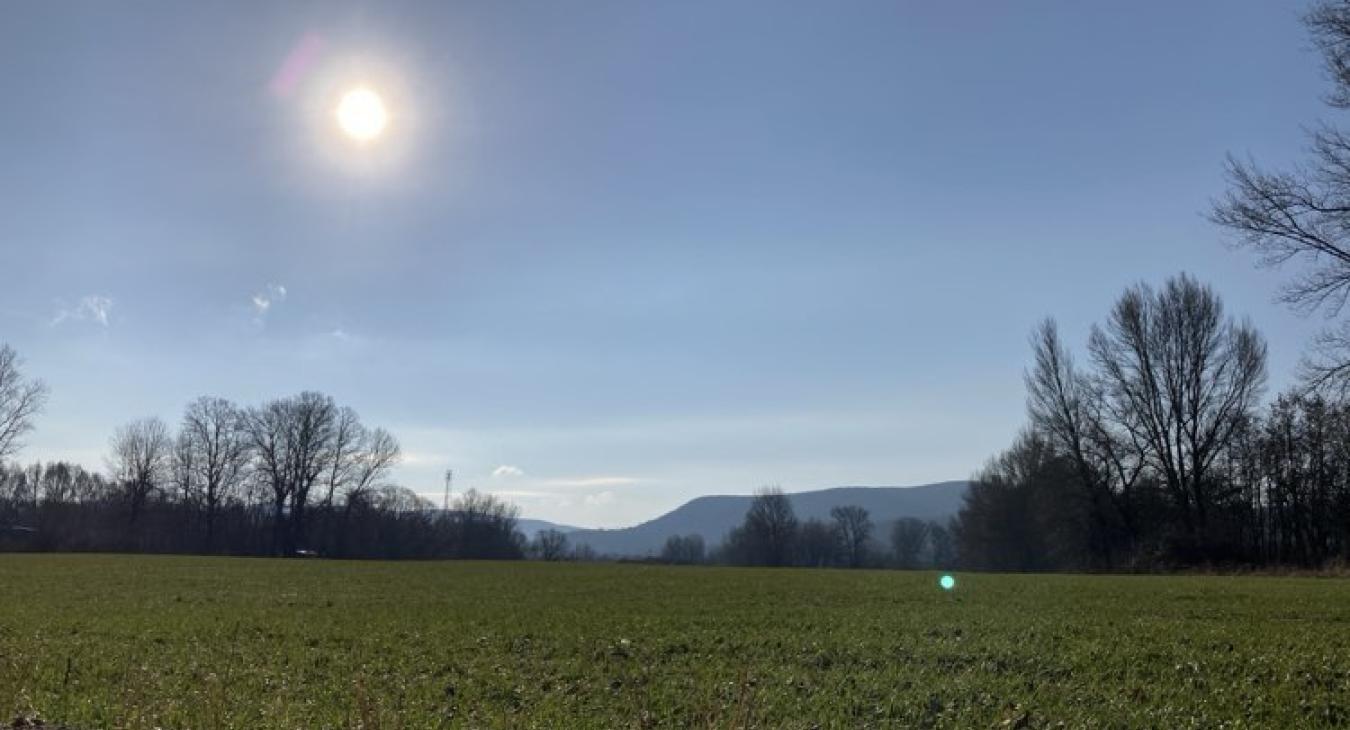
(177, 642)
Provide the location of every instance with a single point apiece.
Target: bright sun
(361, 114)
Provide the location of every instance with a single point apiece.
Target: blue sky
(611, 256)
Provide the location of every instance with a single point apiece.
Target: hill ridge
(713, 515)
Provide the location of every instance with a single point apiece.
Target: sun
(362, 115)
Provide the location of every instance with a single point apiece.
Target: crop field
(176, 642)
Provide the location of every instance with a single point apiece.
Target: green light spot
(947, 582)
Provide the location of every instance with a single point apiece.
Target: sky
(609, 256)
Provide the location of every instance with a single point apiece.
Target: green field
(143, 642)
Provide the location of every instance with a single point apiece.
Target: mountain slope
(713, 517)
(531, 528)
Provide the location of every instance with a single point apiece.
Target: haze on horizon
(605, 258)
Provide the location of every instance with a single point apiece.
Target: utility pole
(449, 476)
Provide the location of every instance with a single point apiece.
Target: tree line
(771, 535)
(303, 476)
(292, 476)
(1160, 451)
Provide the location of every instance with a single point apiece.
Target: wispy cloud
(599, 499)
(506, 471)
(264, 300)
(521, 494)
(93, 308)
(589, 482)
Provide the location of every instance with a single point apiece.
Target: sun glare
(361, 114)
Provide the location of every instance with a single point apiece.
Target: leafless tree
(312, 419)
(1329, 23)
(854, 527)
(1303, 215)
(400, 500)
(267, 433)
(17, 493)
(141, 456)
(1070, 409)
(348, 435)
(1186, 378)
(817, 544)
(485, 527)
(771, 527)
(1021, 510)
(941, 544)
(212, 456)
(909, 536)
(21, 399)
(292, 442)
(58, 483)
(182, 470)
(683, 550)
(584, 553)
(377, 454)
(550, 545)
(262, 469)
(362, 460)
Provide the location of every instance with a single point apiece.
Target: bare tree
(550, 545)
(58, 483)
(400, 500)
(854, 526)
(284, 458)
(817, 543)
(683, 550)
(140, 461)
(20, 400)
(1070, 409)
(212, 456)
(377, 454)
(485, 527)
(1303, 215)
(348, 435)
(1018, 512)
(909, 535)
(18, 495)
(1186, 377)
(362, 460)
(183, 472)
(770, 527)
(292, 440)
(312, 427)
(941, 544)
(584, 553)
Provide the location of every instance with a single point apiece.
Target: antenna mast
(449, 476)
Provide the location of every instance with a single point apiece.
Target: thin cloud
(590, 482)
(506, 471)
(599, 499)
(521, 494)
(262, 301)
(93, 308)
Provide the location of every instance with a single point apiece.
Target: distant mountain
(534, 527)
(714, 516)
